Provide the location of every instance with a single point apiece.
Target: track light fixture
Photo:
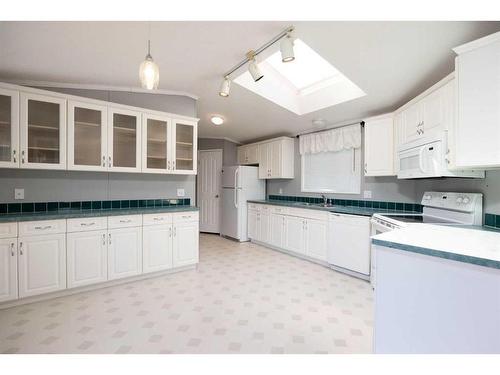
(225, 87)
(287, 55)
(286, 49)
(253, 68)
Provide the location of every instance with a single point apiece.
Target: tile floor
(243, 298)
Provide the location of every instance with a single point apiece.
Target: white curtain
(334, 140)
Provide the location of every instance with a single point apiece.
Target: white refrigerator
(239, 184)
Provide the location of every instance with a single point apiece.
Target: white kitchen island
(437, 290)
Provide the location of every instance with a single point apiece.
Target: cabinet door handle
(175, 231)
(104, 239)
(173, 165)
(22, 156)
(14, 155)
(168, 165)
(170, 232)
(109, 238)
(12, 249)
(109, 161)
(103, 160)
(126, 221)
(20, 248)
(186, 217)
(87, 224)
(158, 218)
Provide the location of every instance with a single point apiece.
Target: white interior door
(209, 190)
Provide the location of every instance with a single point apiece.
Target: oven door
(421, 162)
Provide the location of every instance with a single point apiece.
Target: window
(332, 172)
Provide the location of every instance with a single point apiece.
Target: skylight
(307, 84)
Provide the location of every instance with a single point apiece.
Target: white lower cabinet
(316, 239)
(277, 230)
(124, 252)
(87, 254)
(253, 228)
(157, 247)
(295, 234)
(8, 269)
(88, 251)
(42, 264)
(185, 243)
(300, 231)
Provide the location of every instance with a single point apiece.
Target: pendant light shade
(225, 87)
(149, 72)
(254, 70)
(286, 49)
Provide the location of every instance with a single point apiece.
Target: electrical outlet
(18, 193)
(280, 191)
(367, 194)
(180, 192)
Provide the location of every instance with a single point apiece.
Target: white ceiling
(391, 61)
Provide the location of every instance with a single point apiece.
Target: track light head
(286, 49)
(225, 87)
(253, 68)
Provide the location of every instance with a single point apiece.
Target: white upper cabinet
(42, 131)
(379, 146)
(428, 116)
(184, 146)
(124, 140)
(276, 158)
(87, 136)
(476, 137)
(9, 128)
(156, 143)
(248, 154)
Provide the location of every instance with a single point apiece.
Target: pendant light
(149, 72)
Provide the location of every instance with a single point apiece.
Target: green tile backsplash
(353, 203)
(9, 208)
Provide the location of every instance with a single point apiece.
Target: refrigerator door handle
(236, 188)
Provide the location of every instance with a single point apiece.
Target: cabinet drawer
(309, 214)
(31, 228)
(87, 223)
(279, 210)
(8, 230)
(156, 219)
(254, 206)
(124, 221)
(181, 217)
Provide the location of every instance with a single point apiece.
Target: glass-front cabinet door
(9, 128)
(43, 132)
(184, 148)
(156, 141)
(87, 136)
(124, 140)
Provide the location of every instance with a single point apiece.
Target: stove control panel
(467, 202)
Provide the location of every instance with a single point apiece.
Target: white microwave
(426, 159)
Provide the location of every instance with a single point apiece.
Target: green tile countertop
(467, 244)
(350, 210)
(69, 213)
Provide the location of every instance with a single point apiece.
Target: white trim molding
(85, 86)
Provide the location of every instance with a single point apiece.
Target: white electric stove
(439, 208)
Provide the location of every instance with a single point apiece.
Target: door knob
(217, 196)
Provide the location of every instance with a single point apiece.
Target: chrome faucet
(325, 200)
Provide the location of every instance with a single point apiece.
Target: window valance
(334, 140)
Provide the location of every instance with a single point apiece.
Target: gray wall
(44, 185)
(229, 151)
(392, 189)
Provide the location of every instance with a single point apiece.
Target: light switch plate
(18, 193)
(180, 192)
(367, 194)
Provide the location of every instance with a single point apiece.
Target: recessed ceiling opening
(305, 85)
